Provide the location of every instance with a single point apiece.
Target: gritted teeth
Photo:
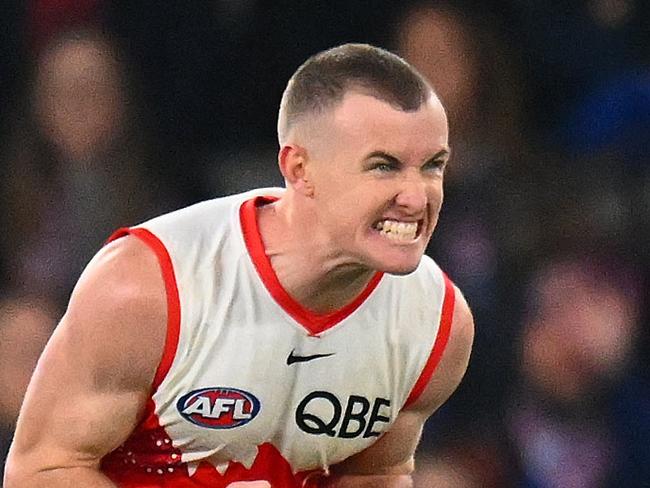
(397, 230)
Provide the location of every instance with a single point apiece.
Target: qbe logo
(322, 413)
(218, 407)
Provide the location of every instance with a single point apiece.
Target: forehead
(369, 124)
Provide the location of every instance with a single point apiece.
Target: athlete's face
(377, 176)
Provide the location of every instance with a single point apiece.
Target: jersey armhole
(171, 291)
(439, 344)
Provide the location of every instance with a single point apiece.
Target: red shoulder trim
(315, 323)
(439, 344)
(173, 299)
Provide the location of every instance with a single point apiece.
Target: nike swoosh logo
(303, 359)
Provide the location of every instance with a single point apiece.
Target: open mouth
(399, 231)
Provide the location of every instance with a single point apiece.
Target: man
(277, 338)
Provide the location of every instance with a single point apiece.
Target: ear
(293, 162)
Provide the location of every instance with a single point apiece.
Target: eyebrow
(443, 153)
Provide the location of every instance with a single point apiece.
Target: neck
(305, 262)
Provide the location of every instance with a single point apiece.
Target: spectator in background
(465, 58)
(574, 48)
(25, 326)
(77, 165)
(581, 415)
(608, 133)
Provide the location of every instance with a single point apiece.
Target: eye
(383, 166)
(437, 165)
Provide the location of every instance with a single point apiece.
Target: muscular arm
(390, 461)
(94, 377)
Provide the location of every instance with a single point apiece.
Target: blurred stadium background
(112, 112)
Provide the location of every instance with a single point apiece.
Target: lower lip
(418, 234)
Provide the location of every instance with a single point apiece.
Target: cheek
(347, 210)
(436, 195)
(334, 205)
(339, 192)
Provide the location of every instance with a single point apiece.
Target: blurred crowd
(113, 112)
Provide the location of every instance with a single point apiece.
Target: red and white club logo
(218, 407)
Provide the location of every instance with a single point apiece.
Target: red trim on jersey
(149, 460)
(173, 300)
(315, 323)
(439, 344)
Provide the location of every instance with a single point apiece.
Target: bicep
(71, 413)
(93, 378)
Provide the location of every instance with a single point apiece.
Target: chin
(389, 258)
(398, 267)
(401, 270)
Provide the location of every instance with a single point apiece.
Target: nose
(412, 195)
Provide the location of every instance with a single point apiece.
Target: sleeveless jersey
(253, 386)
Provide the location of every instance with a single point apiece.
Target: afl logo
(218, 407)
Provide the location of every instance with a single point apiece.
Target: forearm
(365, 481)
(57, 478)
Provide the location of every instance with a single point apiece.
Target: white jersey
(253, 386)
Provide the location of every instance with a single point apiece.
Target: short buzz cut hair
(322, 81)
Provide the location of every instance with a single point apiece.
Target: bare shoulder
(454, 361)
(91, 384)
(124, 271)
(120, 300)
